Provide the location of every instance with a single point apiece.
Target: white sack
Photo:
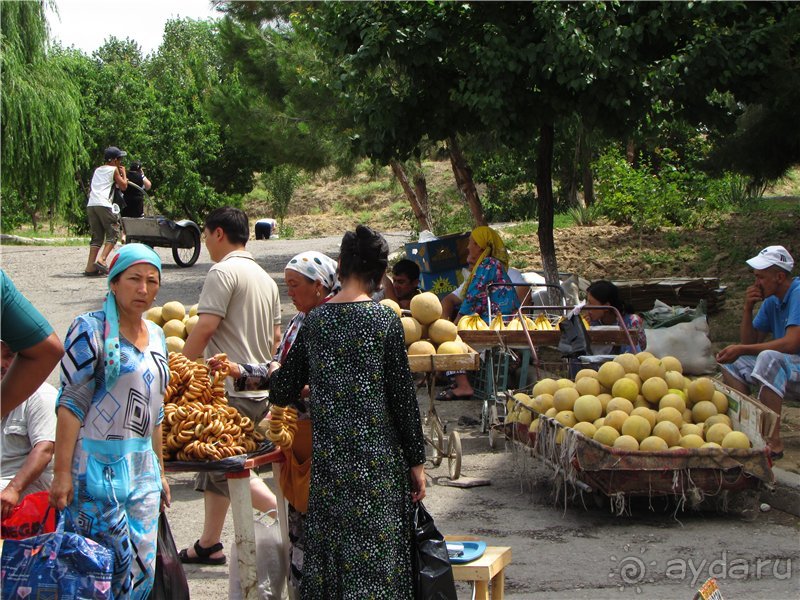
(688, 342)
(271, 569)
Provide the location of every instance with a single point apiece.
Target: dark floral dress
(366, 435)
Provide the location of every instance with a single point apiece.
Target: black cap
(135, 166)
(113, 152)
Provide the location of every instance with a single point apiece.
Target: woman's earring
(318, 294)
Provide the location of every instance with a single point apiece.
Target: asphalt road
(559, 551)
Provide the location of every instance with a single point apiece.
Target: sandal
(92, 274)
(101, 267)
(449, 394)
(203, 555)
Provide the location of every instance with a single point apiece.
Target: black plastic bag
(170, 583)
(574, 338)
(432, 568)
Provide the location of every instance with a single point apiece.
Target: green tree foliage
(280, 184)
(41, 137)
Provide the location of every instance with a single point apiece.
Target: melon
(173, 310)
(426, 307)
(647, 413)
(651, 367)
(175, 344)
(565, 383)
(668, 432)
(673, 400)
(442, 330)
(523, 398)
(587, 408)
(524, 416)
(585, 373)
(421, 347)
(628, 361)
(710, 445)
(691, 428)
(191, 322)
(394, 306)
(668, 413)
(543, 402)
(703, 410)
(701, 390)
(720, 400)
(174, 328)
(719, 419)
(609, 372)
(545, 386)
(625, 387)
(622, 404)
(566, 418)
(674, 380)
(616, 419)
(654, 388)
(534, 426)
(735, 439)
(412, 330)
(634, 377)
(672, 364)
(604, 400)
(450, 348)
(587, 386)
(606, 435)
(643, 356)
(598, 423)
(717, 432)
(691, 441)
(587, 429)
(687, 415)
(551, 412)
(564, 398)
(626, 442)
(636, 427)
(193, 310)
(154, 314)
(653, 443)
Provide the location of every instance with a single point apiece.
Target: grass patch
(364, 192)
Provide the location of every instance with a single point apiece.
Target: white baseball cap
(772, 256)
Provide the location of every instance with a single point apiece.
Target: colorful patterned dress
(504, 298)
(366, 435)
(116, 475)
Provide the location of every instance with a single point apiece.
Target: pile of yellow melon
(425, 331)
(176, 322)
(635, 402)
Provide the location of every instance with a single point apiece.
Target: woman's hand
(417, 482)
(220, 362)
(61, 490)
(166, 494)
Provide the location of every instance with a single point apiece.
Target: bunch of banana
(472, 322)
(198, 422)
(497, 323)
(282, 425)
(542, 323)
(585, 321)
(515, 324)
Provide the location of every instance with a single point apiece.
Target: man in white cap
(768, 356)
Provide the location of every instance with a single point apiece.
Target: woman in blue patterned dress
(108, 468)
(368, 451)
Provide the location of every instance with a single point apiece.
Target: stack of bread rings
(282, 426)
(198, 422)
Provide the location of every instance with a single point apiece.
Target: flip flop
(101, 267)
(92, 274)
(449, 394)
(203, 555)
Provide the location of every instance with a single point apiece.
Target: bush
(280, 184)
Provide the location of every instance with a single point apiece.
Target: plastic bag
(688, 342)
(432, 568)
(30, 517)
(574, 337)
(60, 565)
(271, 569)
(170, 581)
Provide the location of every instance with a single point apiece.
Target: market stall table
(487, 572)
(238, 477)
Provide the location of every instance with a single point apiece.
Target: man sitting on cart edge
(402, 286)
(770, 365)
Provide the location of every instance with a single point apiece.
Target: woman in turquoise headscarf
(109, 469)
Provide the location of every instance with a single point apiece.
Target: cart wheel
(493, 433)
(186, 257)
(436, 442)
(454, 455)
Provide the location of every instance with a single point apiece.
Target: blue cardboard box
(442, 254)
(441, 283)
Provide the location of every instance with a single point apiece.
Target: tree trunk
(419, 204)
(586, 170)
(463, 177)
(544, 194)
(630, 151)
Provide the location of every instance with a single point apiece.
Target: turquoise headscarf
(128, 255)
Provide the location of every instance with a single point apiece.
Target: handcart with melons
(636, 426)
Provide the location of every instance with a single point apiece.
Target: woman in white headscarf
(311, 281)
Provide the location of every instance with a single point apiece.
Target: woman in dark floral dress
(368, 448)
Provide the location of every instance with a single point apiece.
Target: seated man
(404, 284)
(768, 364)
(29, 433)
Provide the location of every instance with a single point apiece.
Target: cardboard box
(441, 283)
(444, 253)
(749, 415)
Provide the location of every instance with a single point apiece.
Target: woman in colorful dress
(605, 293)
(311, 281)
(108, 468)
(368, 450)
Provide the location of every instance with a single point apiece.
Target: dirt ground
(559, 551)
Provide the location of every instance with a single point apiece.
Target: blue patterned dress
(504, 298)
(116, 475)
(366, 435)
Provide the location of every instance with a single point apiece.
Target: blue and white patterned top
(135, 405)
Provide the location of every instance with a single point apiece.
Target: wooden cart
(434, 436)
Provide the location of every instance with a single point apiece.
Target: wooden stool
(483, 572)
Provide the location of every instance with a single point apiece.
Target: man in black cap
(103, 222)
